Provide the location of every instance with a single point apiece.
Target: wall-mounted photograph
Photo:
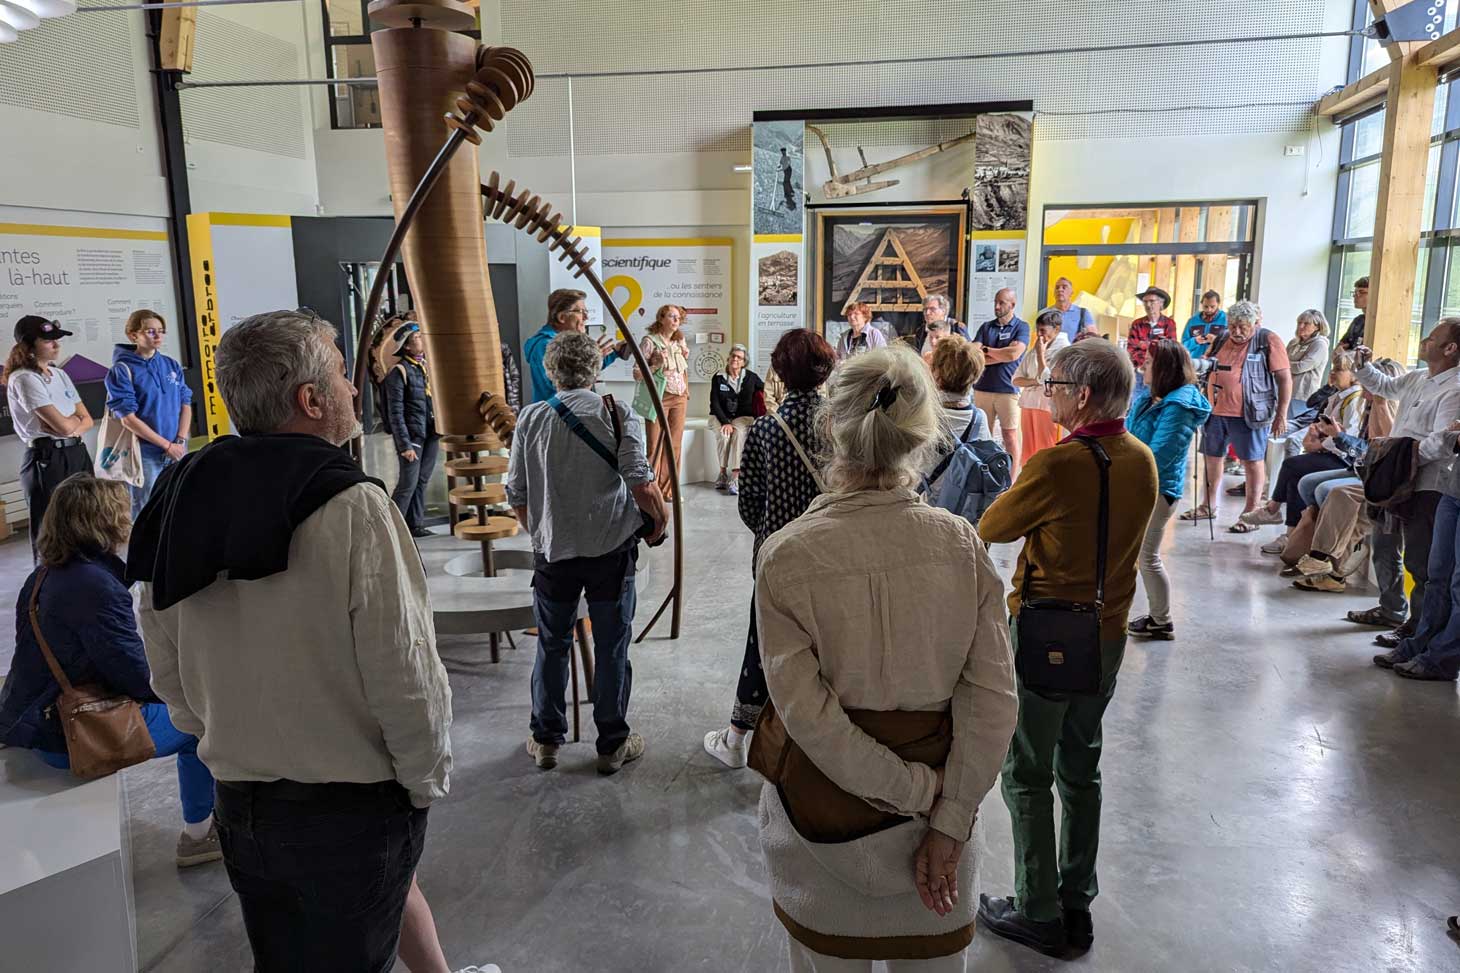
(777, 278)
(1001, 152)
(891, 259)
(776, 156)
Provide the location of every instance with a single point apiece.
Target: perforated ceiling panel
(89, 71)
(263, 119)
(1211, 88)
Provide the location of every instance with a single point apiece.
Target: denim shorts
(1223, 431)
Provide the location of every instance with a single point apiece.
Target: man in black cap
(48, 414)
(1146, 331)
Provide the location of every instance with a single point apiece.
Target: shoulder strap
(805, 460)
(35, 625)
(614, 420)
(576, 425)
(1102, 527)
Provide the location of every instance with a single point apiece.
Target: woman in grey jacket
(1308, 352)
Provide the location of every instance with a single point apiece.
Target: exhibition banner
(243, 264)
(778, 225)
(998, 262)
(89, 279)
(692, 272)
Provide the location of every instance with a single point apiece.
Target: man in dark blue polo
(1002, 341)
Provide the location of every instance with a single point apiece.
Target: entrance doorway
(1113, 253)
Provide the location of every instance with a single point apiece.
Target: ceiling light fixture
(17, 16)
(47, 8)
(744, 168)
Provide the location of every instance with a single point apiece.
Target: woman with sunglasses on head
(48, 414)
(148, 392)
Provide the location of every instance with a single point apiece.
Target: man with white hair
(1249, 386)
(580, 483)
(937, 316)
(1055, 507)
(287, 626)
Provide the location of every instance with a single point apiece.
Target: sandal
(1200, 512)
(1372, 616)
(1240, 528)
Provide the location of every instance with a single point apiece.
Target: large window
(348, 54)
(1437, 277)
(1113, 253)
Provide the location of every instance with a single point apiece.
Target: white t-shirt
(28, 391)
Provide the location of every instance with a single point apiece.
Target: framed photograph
(891, 259)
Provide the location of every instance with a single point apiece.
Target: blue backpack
(973, 476)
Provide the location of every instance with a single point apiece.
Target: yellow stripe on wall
(205, 293)
(247, 219)
(778, 238)
(593, 231)
(998, 235)
(83, 232)
(689, 241)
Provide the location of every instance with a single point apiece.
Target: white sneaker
(1276, 546)
(1261, 517)
(489, 968)
(718, 745)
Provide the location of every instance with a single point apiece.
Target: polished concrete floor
(1272, 800)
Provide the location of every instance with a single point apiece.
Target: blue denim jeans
(1324, 487)
(152, 467)
(321, 870)
(1436, 640)
(194, 782)
(1308, 485)
(607, 582)
(410, 487)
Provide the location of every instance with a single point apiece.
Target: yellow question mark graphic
(635, 289)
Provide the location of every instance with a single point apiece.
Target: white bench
(65, 874)
(700, 451)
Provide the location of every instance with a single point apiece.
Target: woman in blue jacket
(1165, 416)
(147, 391)
(85, 613)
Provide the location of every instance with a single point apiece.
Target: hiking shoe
(545, 754)
(722, 481)
(1275, 546)
(1262, 517)
(1415, 669)
(1391, 640)
(1151, 629)
(1388, 660)
(733, 488)
(628, 751)
(719, 746)
(1079, 928)
(421, 532)
(199, 851)
(1003, 919)
(1313, 567)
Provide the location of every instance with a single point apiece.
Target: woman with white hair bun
(737, 396)
(886, 650)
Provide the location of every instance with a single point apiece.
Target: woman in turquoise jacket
(1165, 416)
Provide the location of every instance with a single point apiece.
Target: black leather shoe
(1391, 640)
(1079, 929)
(421, 532)
(1003, 919)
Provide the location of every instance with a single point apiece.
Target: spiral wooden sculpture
(422, 63)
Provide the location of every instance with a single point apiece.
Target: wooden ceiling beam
(179, 29)
(1442, 53)
(1368, 91)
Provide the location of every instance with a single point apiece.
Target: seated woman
(957, 363)
(885, 641)
(1325, 454)
(85, 612)
(1035, 419)
(733, 404)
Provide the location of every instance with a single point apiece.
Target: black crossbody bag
(1059, 641)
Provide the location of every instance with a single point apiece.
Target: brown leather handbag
(821, 811)
(104, 732)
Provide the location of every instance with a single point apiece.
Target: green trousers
(1057, 743)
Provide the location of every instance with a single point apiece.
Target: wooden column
(1399, 213)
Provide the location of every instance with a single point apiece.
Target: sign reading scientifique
(778, 227)
(642, 275)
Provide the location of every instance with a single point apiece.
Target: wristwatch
(180, 441)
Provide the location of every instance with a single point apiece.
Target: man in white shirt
(287, 625)
(1429, 400)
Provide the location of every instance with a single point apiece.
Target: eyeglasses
(154, 332)
(1050, 383)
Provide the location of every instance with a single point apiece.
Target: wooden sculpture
(889, 282)
(423, 67)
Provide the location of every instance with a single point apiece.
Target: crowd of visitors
(839, 459)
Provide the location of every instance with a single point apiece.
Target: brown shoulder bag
(104, 732)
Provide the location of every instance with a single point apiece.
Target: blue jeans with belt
(607, 582)
(194, 782)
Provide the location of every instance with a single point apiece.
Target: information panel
(693, 272)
